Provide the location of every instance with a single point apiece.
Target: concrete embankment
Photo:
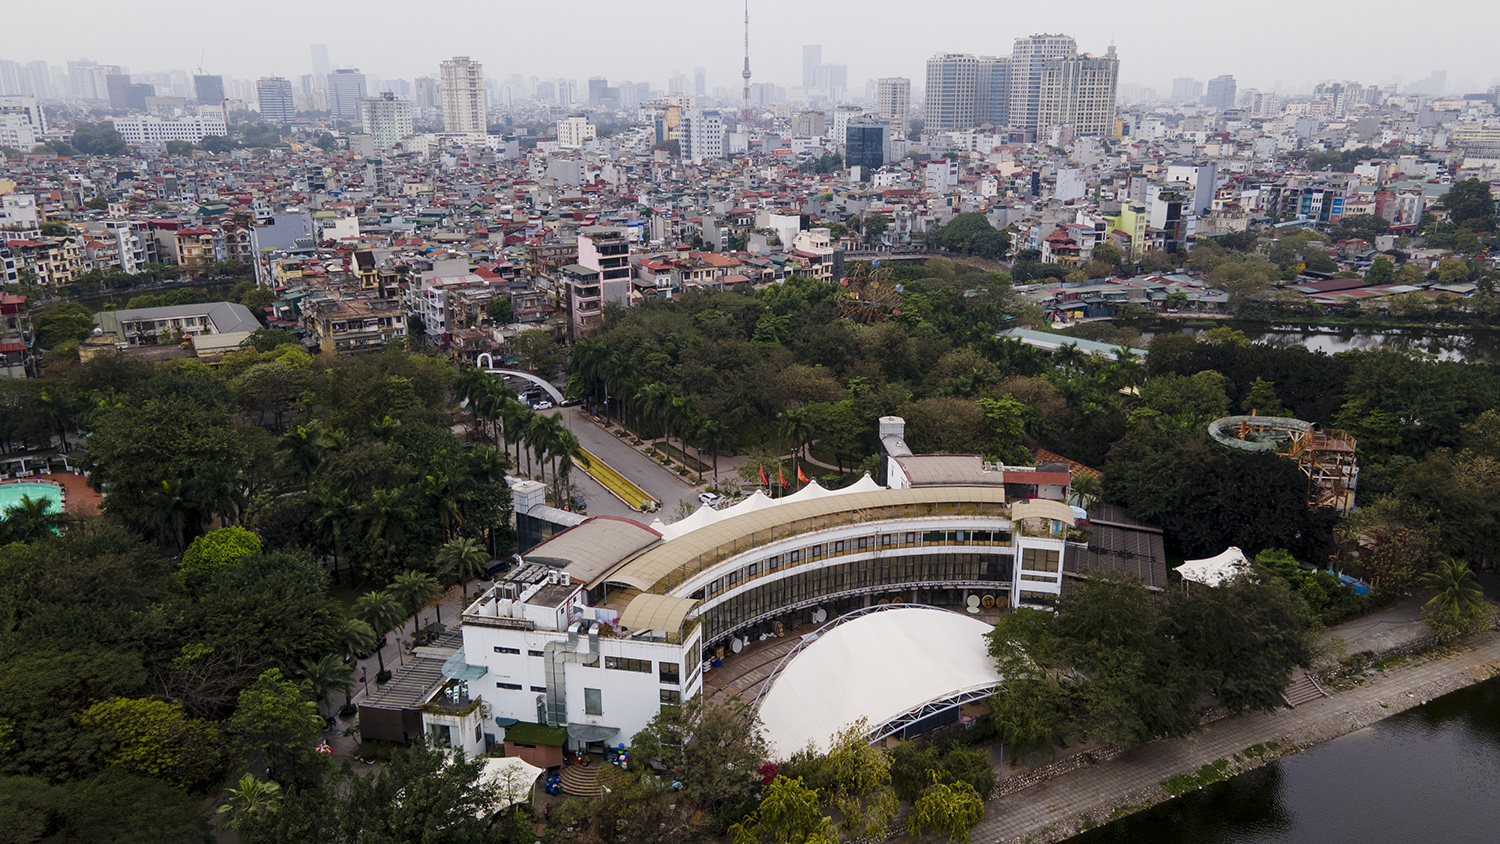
(1104, 789)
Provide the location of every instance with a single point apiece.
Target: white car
(544, 404)
(710, 498)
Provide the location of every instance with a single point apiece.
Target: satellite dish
(820, 616)
(736, 645)
(973, 603)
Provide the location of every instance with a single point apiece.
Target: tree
(1261, 399)
(789, 813)
(116, 806)
(154, 738)
(415, 590)
(874, 226)
(714, 749)
(99, 139)
(325, 675)
(248, 799)
(275, 720)
(1470, 204)
(949, 810)
(1106, 253)
(179, 148)
(465, 558)
(68, 321)
(856, 779)
(219, 548)
(31, 518)
(500, 311)
(1457, 604)
(382, 611)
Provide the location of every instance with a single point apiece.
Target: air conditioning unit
(484, 709)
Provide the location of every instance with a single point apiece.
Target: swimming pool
(11, 494)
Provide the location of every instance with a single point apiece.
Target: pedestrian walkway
(1056, 809)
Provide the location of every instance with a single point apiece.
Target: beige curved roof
(693, 551)
(656, 612)
(1043, 508)
(592, 547)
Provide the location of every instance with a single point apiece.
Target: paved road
(659, 483)
(1054, 809)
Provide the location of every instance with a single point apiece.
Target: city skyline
(1304, 54)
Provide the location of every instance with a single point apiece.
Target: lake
(1478, 347)
(1430, 774)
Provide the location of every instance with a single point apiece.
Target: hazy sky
(1294, 42)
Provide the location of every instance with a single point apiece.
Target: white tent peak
(1216, 570)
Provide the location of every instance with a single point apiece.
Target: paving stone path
(1056, 809)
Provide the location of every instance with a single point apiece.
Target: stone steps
(581, 781)
(1302, 689)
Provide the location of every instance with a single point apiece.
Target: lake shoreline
(1095, 794)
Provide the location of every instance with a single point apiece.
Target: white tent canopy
(512, 778)
(706, 515)
(1216, 570)
(879, 667)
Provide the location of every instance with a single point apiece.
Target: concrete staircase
(1303, 688)
(581, 781)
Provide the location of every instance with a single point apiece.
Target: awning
(589, 733)
(506, 722)
(458, 668)
(656, 612)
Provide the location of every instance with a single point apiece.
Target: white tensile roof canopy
(878, 667)
(1216, 570)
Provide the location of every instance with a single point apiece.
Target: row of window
(856, 545)
(811, 585)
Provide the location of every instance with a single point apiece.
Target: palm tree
(467, 559)
(248, 799)
(587, 361)
(386, 516)
(446, 487)
(541, 435)
(415, 590)
(332, 516)
(618, 374)
(1455, 589)
(566, 450)
(1069, 357)
(382, 611)
(328, 674)
(385, 428)
(354, 637)
(176, 511)
(516, 416)
(797, 427)
(304, 445)
(712, 438)
(655, 400)
(1086, 489)
(680, 414)
(31, 518)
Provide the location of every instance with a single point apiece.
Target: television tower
(746, 116)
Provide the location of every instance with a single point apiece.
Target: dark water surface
(1430, 774)
(1474, 347)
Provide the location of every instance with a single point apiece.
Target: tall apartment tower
(812, 58)
(346, 87)
(208, 90)
(952, 92)
(385, 119)
(320, 66)
(1079, 91)
(893, 101)
(1028, 62)
(463, 96)
(1220, 93)
(992, 100)
(275, 96)
(1184, 89)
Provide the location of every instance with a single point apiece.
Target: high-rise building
(574, 132)
(1185, 89)
(274, 94)
(705, 133)
(346, 87)
(427, 94)
(952, 92)
(385, 119)
(992, 99)
(597, 86)
(808, 124)
(208, 90)
(1079, 91)
(1028, 61)
(867, 143)
(812, 58)
(893, 101)
(117, 85)
(1220, 93)
(832, 80)
(546, 91)
(320, 65)
(463, 96)
(700, 82)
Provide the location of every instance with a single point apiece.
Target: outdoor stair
(1303, 688)
(581, 781)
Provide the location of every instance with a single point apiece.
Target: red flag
(800, 476)
(763, 481)
(780, 476)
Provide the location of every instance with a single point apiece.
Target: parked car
(712, 499)
(544, 404)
